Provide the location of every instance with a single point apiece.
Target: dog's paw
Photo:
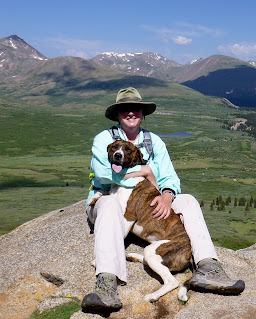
(151, 297)
(182, 294)
(94, 199)
(96, 196)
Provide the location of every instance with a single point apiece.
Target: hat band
(126, 99)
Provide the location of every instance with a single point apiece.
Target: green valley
(46, 152)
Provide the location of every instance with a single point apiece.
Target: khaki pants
(109, 230)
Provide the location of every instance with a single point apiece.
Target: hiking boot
(210, 277)
(105, 296)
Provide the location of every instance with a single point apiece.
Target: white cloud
(76, 53)
(181, 40)
(244, 51)
(182, 33)
(198, 30)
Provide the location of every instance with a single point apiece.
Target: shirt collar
(124, 137)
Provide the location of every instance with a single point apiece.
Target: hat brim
(112, 111)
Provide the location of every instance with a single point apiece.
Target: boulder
(46, 261)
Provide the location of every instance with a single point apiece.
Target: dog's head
(123, 154)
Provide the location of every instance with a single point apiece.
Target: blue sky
(179, 30)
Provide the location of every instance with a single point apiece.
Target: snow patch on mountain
(253, 63)
(12, 44)
(194, 61)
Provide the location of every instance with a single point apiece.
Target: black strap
(114, 133)
(147, 142)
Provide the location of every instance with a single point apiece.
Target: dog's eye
(127, 149)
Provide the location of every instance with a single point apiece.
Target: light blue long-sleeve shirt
(160, 164)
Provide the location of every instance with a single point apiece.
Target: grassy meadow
(45, 153)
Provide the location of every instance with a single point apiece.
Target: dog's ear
(109, 155)
(109, 146)
(140, 157)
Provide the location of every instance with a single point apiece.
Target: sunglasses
(130, 108)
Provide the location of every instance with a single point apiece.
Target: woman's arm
(167, 176)
(146, 172)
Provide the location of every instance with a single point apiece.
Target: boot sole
(230, 290)
(92, 303)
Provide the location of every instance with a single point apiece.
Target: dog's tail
(136, 257)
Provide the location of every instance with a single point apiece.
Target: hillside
(59, 76)
(236, 83)
(203, 67)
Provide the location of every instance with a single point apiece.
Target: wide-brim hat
(128, 96)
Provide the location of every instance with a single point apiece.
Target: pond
(177, 134)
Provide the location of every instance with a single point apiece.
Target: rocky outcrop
(47, 260)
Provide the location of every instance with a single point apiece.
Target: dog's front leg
(128, 226)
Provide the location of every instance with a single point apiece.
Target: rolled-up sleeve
(166, 176)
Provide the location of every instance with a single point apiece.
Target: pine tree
(202, 203)
(241, 201)
(228, 200)
(251, 201)
(222, 206)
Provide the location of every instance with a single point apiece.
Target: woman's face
(130, 117)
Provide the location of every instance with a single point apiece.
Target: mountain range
(217, 75)
(25, 71)
(155, 65)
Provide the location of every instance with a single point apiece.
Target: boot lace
(216, 268)
(105, 285)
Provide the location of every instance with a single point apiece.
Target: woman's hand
(164, 201)
(163, 208)
(146, 172)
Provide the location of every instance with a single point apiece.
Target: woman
(107, 214)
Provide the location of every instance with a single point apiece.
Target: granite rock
(46, 261)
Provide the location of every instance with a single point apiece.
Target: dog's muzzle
(118, 157)
(117, 162)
